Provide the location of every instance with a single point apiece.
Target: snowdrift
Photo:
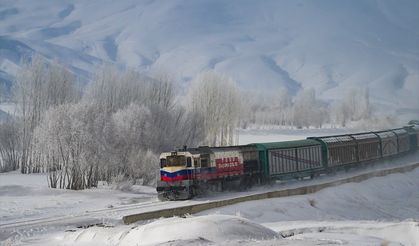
(175, 231)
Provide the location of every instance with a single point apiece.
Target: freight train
(187, 172)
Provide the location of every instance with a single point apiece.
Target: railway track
(68, 218)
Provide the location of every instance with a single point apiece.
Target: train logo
(228, 164)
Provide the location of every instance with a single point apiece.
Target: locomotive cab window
(162, 163)
(188, 162)
(196, 163)
(176, 160)
(204, 162)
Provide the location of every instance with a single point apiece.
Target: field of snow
(331, 46)
(26, 197)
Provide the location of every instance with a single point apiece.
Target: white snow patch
(214, 228)
(207, 229)
(350, 232)
(24, 197)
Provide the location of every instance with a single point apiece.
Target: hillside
(331, 46)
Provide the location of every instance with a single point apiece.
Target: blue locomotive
(190, 171)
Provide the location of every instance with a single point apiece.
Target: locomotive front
(176, 171)
(187, 172)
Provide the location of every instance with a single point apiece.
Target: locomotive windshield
(175, 160)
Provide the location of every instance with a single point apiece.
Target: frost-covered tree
(113, 89)
(138, 130)
(68, 146)
(39, 85)
(267, 108)
(307, 110)
(9, 145)
(216, 99)
(357, 101)
(354, 106)
(114, 133)
(128, 134)
(162, 91)
(3, 92)
(283, 104)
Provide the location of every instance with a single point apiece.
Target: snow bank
(173, 231)
(230, 230)
(214, 228)
(393, 197)
(350, 232)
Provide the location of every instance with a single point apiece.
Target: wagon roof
(286, 144)
(412, 129)
(211, 150)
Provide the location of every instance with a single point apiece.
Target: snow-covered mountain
(328, 45)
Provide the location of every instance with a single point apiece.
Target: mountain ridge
(330, 46)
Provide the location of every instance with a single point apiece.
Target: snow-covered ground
(379, 211)
(26, 197)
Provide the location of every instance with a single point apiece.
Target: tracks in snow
(93, 214)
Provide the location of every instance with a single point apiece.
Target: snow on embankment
(215, 228)
(175, 231)
(350, 232)
(392, 197)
